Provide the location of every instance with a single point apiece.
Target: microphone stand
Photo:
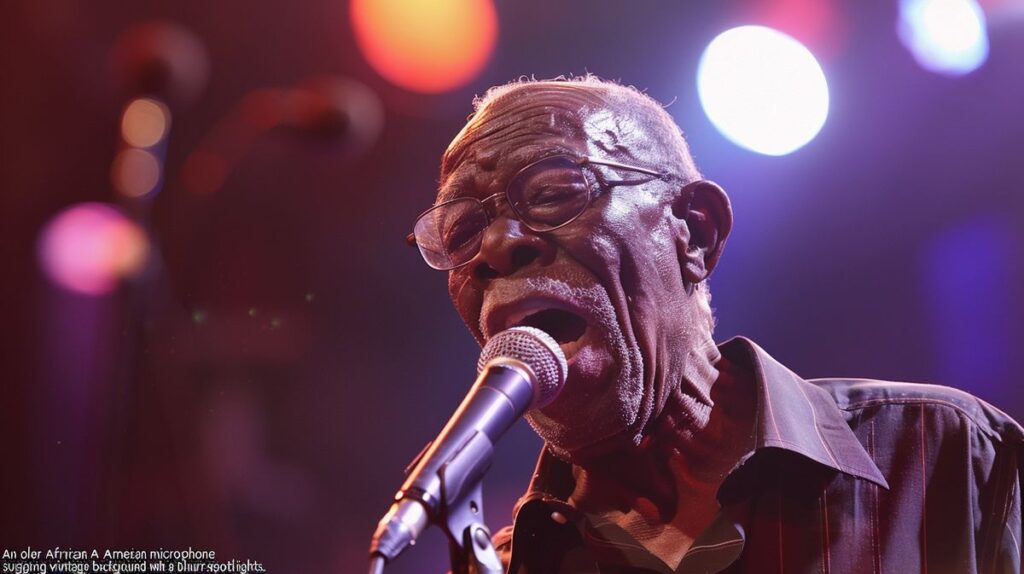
(460, 511)
(469, 540)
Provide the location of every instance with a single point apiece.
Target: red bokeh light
(818, 24)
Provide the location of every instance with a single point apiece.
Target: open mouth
(563, 326)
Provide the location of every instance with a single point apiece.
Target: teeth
(518, 316)
(570, 348)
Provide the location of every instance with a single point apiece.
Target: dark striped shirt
(847, 476)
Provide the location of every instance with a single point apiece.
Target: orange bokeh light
(427, 46)
(135, 172)
(145, 122)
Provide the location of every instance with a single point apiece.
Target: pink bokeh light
(89, 247)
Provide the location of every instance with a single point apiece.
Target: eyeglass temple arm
(658, 174)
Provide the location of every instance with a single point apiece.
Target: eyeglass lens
(544, 196)
(449, 235)
(549, 193)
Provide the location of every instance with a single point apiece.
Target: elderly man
(574, 206)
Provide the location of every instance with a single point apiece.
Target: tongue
(563, 326)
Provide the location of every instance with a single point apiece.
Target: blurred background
(215, 335)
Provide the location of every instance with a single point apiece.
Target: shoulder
(942, 405)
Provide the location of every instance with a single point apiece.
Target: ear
(705, 215)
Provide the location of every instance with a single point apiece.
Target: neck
(702, 432)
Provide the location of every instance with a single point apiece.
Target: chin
(599, 409)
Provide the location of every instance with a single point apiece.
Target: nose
(508, 246)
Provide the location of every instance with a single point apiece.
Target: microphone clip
(461, 511)
(469, 540)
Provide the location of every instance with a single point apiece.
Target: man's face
(608, 286)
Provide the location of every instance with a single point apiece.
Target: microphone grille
(537, 350)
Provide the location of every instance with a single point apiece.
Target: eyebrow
(456, 178)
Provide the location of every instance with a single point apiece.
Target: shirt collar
(798, 416)
(792, 415)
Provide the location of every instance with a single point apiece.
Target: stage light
(144, 122)
(944, 36)
(135, 172)
(424, 45)
(89, 247)
(762, 89)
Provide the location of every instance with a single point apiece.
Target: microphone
(519, 369)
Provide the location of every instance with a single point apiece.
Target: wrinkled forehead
(520, 127)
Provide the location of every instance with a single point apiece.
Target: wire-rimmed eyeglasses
(545, 195)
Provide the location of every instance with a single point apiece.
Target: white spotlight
(762, 89)
(945, 36)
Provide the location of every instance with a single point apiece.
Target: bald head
(623, 122)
